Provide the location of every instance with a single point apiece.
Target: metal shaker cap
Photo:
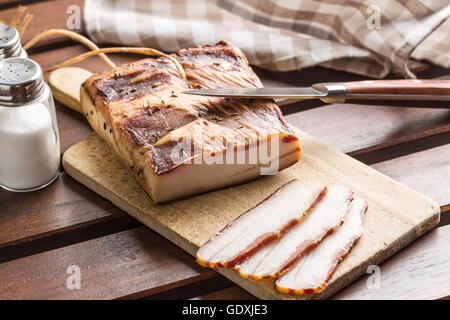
(9, 42)
(20, 81)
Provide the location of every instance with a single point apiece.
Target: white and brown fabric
(367, 37)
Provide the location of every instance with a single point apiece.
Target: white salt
(29, 148)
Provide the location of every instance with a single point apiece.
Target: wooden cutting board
(396, 216)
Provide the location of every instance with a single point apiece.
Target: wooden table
(42, 233)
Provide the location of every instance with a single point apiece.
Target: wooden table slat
(126, 264)
(64, 205)
(427, 172)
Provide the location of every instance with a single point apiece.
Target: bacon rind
(309, 263)
(296, 243)
(263, 239)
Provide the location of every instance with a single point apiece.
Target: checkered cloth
(368, 37)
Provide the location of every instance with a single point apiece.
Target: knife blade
(384, 92)
(263, 93)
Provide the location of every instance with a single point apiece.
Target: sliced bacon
(260, 225)
(312, 272)
(277, 257)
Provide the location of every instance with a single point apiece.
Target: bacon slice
(277, 257)
(312, 272)
(260, 225)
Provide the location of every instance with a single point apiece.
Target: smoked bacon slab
(176, 145)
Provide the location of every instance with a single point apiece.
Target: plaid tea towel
(367, 37)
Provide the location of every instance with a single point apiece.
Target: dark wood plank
(47, 15)
(428, 172)
(130, 264)
(64, 205)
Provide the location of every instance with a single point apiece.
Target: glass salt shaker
(10, 43)
(29, 139)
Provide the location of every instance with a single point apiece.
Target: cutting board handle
(65, 84)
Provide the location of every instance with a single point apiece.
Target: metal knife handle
(424, 93)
